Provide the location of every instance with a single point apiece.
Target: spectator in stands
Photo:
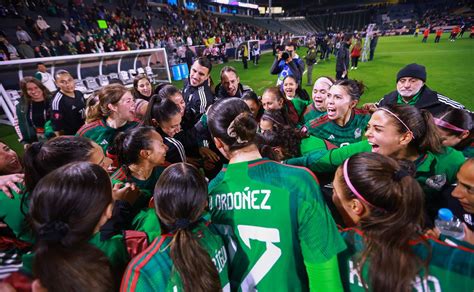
(230, 85)
(32, 110)
(426, 33)
(411, 89)
(142, 88)
(22, 35)
(311, 56)
(342, 58)
(288, 63)
(373, 44)
(439, 32)
(68, 105)
(197, 92)
(45, 78)
(25, 51)
(43, 27)
(189, 56)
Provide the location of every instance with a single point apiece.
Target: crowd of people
(210, 187)
(80, 33)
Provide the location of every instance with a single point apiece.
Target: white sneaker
(352, 68)
(355, 68)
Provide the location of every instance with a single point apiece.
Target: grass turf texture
(448, 64)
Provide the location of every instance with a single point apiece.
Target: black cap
(412, 70)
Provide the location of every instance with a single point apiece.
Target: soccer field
(448, 64)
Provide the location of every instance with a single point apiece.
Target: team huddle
(214, 188)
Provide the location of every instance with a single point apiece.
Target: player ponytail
(180, 199)
(231, 121)
(354, 88)
(64, 220)
(393, 199)
(128, 144)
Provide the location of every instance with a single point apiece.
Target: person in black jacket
(412, 90)
(230, 85)
(197, 92)
(342, 58)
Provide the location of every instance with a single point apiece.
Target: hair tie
(353, 189)
(233, 134)
(53, 231)
(444, 124)
(399, 174)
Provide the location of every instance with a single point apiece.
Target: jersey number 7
(268, 258)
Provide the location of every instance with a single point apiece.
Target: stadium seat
(91, 83)
(80, 86)
(14, 95)
(103, 80)
(132, 73)
(113, 76)
(140, 70)
(125, 77)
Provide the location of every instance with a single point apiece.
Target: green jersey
(147, 221)
(153, 269)
(101, 133)
(312, 143)
(311, 113)
(352, 131)
(468, 151)
(300, 105)
(274, 220)
(450, 268)
(146, 186)
(114, 248)
(11, 214)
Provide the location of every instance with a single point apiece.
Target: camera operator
(287, 63)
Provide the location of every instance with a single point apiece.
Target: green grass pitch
(449, 68)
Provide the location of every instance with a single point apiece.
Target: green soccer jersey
(312, 143)
(300, 105)
(11, 214)
(153, 269)
(468, 151)
(101, 133)
(274, 220)
(146, 186)
(352, 131)
(450, 268)
(147, 221)
(114, 249)
(311, 113)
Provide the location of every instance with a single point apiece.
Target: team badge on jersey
(357, 133)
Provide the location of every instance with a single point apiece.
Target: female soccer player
(343, 124)
(64, 220)
(114, 113)
(273, 99)
(456, 130)
(142, 88)
(166, 117)
(268, 212)
(320, 93)
(386, 251)
(254, 104)
(172, 93)
(295, 94)
(33, 111)
(141, 155)
(189, 256)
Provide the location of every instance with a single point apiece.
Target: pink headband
(352, 188)
(444, 124)
(400, 120)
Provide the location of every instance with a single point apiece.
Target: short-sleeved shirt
(274, 219)
(352, 131)
(153, 269)
(101, 133)
(450, 268)
(67, 113)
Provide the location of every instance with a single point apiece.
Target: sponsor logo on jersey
(331, 137)
(73, 107)
(468, 219)
(246, 200)
(104, 142)
(436, 181)
(357, 133)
